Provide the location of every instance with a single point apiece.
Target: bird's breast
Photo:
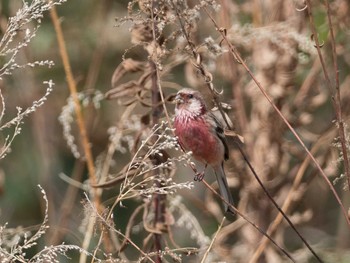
(195, 135)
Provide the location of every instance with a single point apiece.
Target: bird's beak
(178, 99)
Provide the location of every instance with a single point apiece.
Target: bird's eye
(190, 96)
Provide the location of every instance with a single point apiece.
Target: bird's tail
(224, 188)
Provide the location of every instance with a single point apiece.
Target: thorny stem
(269, 99)
(335, 87)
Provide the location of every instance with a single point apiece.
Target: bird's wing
(219, 130)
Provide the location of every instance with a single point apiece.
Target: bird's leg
(199, 176)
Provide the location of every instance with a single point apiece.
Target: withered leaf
(127, 89)
(127, 66)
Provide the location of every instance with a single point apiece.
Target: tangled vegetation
(86, 113)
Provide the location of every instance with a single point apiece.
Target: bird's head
(189, 103)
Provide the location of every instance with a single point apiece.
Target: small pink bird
(200, 132)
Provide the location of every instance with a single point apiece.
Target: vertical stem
(337, 101)
(77, 107)
(232, 75)
(269, 99)
(157, 109)
(158, 199)
(82, 130)
(333, 88)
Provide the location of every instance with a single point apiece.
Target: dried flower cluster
(20, 31)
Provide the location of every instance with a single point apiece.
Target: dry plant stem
(87, 237)
(130, 225)
(276, 205)
(159, 199)
(79, 116)
(241, 61)
(307, 84)
(255, 174)
(134, 245)
(111, 227)
(73, 91)
(203, 72)
(157, 97)
(239, 99)
(207, 77)
(112, 146)
(287, 203)
(74, 94)
(249, 221)
(67, 204)
(213, 240)
(107, 163)
(334, 88)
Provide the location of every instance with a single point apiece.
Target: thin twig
(334, 88)
(199, 65)
(213, 240)
(67, 205)
(158, 199)
(249, 221)
(130, 225)
(236, 90)
(269, 99)
(237, 55)
(112, 228)
(276, 205)
(323, 140)
(203, 72)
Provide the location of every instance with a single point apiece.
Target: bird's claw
(199, 176)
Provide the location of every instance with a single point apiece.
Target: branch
(235, 53)
(334, 89)
(249, 221)
(80, 122)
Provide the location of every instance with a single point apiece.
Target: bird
(199, 131)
